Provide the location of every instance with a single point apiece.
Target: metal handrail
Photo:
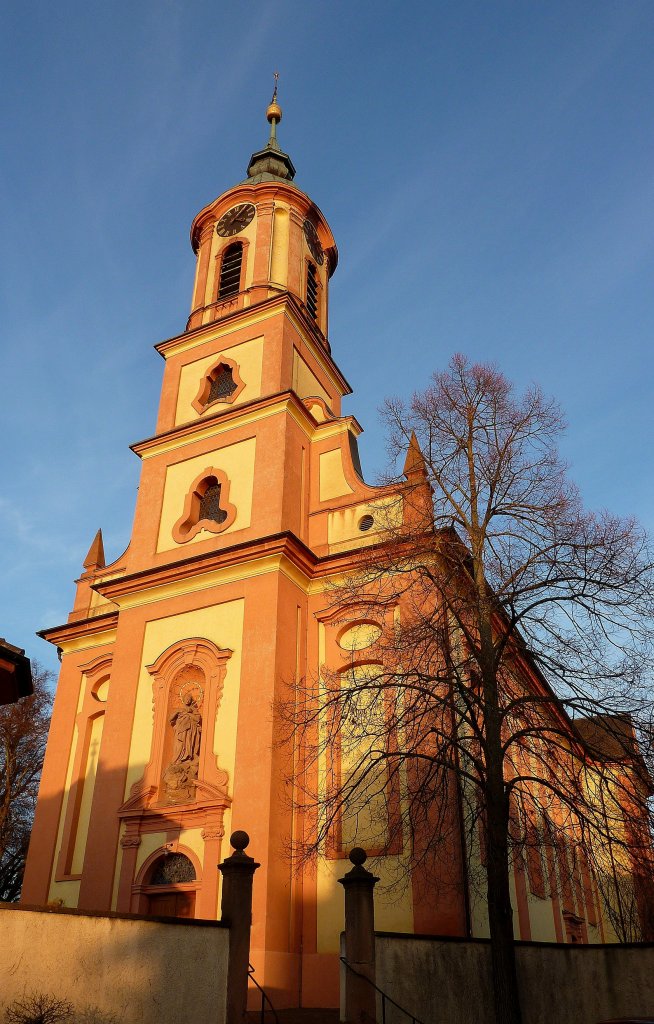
(384, 996)
(265, 998)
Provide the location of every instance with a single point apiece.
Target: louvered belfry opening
(223, 384)
(312, 291)
(210, 503)
(230, 270)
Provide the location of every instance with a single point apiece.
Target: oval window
(359, 636)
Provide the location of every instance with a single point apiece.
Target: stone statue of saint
(180, 775)
(187, 723)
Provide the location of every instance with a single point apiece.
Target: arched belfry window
(222, 384)
(207, 507)
(230, 270)
(210, 503)
(312, 291)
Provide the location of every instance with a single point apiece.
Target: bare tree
(39, 1008)
(504, 701)
(23, 734)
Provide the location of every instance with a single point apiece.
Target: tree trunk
(500, 912)
(500, 916)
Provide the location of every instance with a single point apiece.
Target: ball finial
(240, 840)
(274, 111)
(358, 856)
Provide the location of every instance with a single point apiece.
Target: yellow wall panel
(332, 477)
(66, 891)
(305, 382)
(279, 256)
(150, 841)
(88, 786)
(66, 894)
(221, 623)
(541, 919)
(343, 524)
(248, 356)
(393, 911)
(236, 461)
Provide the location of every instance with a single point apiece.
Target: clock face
(235, 220)
(313, 242)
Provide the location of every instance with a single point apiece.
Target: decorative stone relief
(187, 688)
(186, 721)
(213, 833)
(182, 785)
(130, 840)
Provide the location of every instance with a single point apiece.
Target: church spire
(414, 464)
(271, 163)
(274, 116)
(95, 558)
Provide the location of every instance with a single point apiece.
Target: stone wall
(449, 980)
(134, 969)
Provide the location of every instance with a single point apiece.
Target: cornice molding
(283, 552)
(91, 626)
(262, 311)
(225, 419)
(284, 545)
(258, 193)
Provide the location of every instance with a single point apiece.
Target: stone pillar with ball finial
(359, 970)
(236, 911)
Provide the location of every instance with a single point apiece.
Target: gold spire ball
(274, 111)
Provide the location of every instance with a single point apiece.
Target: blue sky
(487, 169)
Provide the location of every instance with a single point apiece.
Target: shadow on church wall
(128, 967)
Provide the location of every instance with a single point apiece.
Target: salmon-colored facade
(250, 499)
(222, 602)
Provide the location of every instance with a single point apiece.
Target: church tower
(251, 497)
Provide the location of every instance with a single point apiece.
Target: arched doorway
(169, 887)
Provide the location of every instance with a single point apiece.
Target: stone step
(295, 1016)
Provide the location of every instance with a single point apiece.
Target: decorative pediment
(139, 801)
(195, 651)
(208, 793)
